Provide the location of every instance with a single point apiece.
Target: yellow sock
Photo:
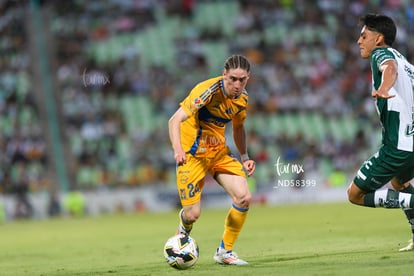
(232, 226)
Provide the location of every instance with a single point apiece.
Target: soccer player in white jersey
(393, 92)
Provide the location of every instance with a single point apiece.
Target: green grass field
(328, 239)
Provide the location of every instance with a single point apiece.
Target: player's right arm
(389, 75)
(174, 125)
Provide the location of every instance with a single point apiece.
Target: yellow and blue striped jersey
(209, 110)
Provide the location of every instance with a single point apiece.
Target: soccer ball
(181, 251)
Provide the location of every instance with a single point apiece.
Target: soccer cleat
(181, 229)
(409, 247)
(228, 257)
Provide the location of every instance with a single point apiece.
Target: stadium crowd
(123, 66)
(23, 157)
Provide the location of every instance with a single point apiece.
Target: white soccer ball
(181, 251)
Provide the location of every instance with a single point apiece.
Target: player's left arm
(239, 136)
(389, 76)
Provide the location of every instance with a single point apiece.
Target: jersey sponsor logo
(198, 103)
(409, 71)
(211, 141)
(409, 131)
(396, 53)
(373, 179)
(381, 55)
(183, 179)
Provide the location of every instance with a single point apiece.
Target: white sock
(391, 199)
(380, 197)
(404, 200)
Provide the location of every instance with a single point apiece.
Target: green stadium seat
(86, 177)
(319, 124)
(76, 143)
(22, 85)
(275, 124)
(204, 16)
(227, 12)
(261, 174)
(216, 52)
(273, 152)
(325, 167)
(5, 125)
(275, 34)
(292, 123)
(26, 115)
(143, 110)
(258, 123)
(305, 123)
(350, 127)
(123, 148)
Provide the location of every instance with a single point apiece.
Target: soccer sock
(389, 199)
(233, 225)
(409, 212)
(408, 190)
(187, 226)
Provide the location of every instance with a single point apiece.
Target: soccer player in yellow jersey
(197, 134)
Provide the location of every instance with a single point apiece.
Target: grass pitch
(328, 239)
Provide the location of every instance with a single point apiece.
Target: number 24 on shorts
(190, 191)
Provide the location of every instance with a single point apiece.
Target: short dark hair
(382, 24)
(237, 61)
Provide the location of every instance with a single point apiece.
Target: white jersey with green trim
(397, 113)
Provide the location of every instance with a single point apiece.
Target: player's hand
(382, 95)
(250, 166)
(180, 157)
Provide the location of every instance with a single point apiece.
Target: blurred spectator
(22, 141)
(20, 187)
(53, 208)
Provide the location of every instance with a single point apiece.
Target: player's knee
(243, 200)
(353, 197)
